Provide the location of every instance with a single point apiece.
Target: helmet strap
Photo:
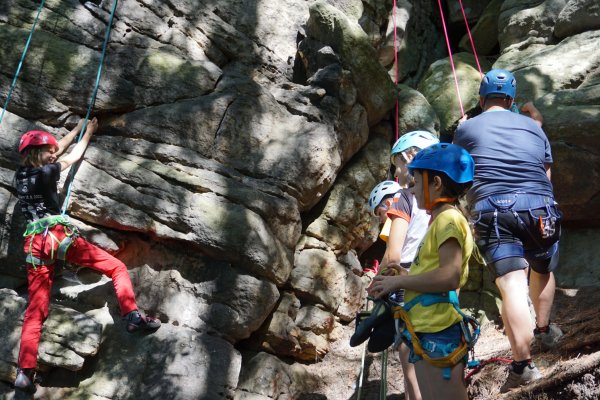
(443, 200)
(425, 174)
(429, 204)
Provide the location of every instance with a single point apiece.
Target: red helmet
(36, 138)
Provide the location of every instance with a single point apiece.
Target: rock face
(439, 88)
(236, 151)
(68, 338)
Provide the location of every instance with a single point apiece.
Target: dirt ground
(571, 370)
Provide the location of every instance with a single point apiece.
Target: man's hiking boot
(548, 337)
(530, 374)
(137, 322)
(25, 380)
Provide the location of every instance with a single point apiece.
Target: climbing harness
(469, 326)
(18, 71)
(59, 247)
(470, 329)
(521, 202)
(75, 167)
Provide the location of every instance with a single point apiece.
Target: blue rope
(75, 167)
(14, 82)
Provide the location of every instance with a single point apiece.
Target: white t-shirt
(405, 206)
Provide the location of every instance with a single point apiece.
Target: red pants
(40, 280)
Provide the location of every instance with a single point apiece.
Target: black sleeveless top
(37, 191)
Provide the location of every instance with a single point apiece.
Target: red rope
(483, 364)
(395, 64)
(462, 110)
(470, 37)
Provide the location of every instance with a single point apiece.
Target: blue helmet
(498, 81)
(449, 158)
(418, 139)
(383, 189)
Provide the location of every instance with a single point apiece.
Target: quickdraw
(469, 326)
(42, 227)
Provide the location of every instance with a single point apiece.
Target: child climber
(408, 226)
(404, 225)
(408, 222)
(50, 237)
(442, 174)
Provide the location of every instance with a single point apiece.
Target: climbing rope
(362, 361)
(477, 365)
(384, 361)
(18, 71)
(462, 110)
(396, 68)
(462, 9)
(75, 167)
(383, 382)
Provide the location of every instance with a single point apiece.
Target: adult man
(517, 224)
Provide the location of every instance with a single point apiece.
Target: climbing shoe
(530, 373)
(366, 322)
(136, 322)
(548, 336)
(25, 380)
(382, 336)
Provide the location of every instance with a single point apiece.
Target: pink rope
(462, 110)
(470, 37)
(396, 66)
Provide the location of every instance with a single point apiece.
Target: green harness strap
(41, 227)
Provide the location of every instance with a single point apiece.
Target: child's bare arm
(533, 112)
(65, 142)
(442, 279)
(77, 152)
(394, 246)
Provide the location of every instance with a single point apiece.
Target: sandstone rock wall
(238, 143)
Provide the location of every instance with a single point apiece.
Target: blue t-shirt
(509, 151)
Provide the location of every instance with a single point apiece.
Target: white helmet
(382, 189)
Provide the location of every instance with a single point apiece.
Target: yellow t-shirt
(448, 224)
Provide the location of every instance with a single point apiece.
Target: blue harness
(470, 327)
